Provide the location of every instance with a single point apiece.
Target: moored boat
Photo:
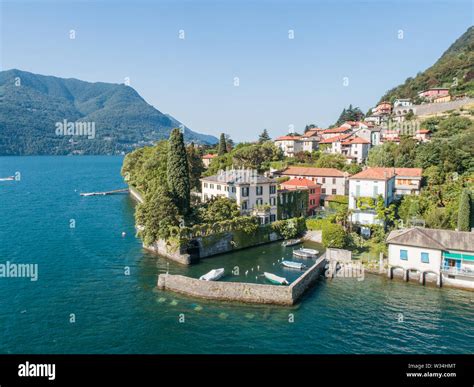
(9, 178)
(213, 275)
(305, 253)
(294, 265)
(274, 279)
(291, 242)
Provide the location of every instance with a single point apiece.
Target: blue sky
(282, 81)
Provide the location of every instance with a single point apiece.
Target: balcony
(463, 271)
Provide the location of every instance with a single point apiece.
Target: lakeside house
(351, 146)
(332, 180)
(255, 194)
(433, 93)
(408, 181)
(290, 144)
(314, 192)
(364, 189)
(446, 255)
(206, 159)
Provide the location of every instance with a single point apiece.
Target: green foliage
(333, 235)
(264, 136)
(196, 167)
(222, 149)
(289, 228)
(292, 203)
(464, 213)
(178, 172)
(218, 209)
(331, 160)
(123, 120)
(350, 114)
(158, 215)
(387, 214)
(257, 156)
(456, 63)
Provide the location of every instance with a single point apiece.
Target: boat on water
(274, 279)
(305, 253)
(213, 275)
(8, 178)
(293, 265)
(291, 242)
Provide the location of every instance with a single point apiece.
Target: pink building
(434, 92)
(314, 191)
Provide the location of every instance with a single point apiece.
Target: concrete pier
(241, 291)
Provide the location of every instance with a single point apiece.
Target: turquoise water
(82, 271)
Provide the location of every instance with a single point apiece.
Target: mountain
(456, 63)
(113, 118)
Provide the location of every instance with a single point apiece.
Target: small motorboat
(9, 178)
(291, 242)
(213, 275)
(305, 253)
(294, 265)
(274, 279)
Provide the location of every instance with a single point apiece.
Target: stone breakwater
(241, 291)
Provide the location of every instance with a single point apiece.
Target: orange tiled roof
(355, 140)
(409, 172)
(341, 129)
(375, 173)
(299, 182)
(330, 140)
(209, 156)
(311, 171)
(287, 138)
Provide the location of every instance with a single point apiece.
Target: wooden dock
(104, 193)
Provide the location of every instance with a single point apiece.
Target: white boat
(275, 279)
(293, 265)
(9, 178)
(213, 275)
(305, 253)
(291, 242)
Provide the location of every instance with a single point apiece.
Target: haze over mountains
(32, 105)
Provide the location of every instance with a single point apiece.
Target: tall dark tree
(222, 148)
(264, 136)
(464, 212)
(178, 172)
(309, 127)
(196, 167)
(350, 114)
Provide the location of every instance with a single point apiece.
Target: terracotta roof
(311, 171)
(409, 172)
(423, 131)
(313, 132)
(335, 139)
(341, 129)
(375, 173)
(287, 138)
(433, 239)
(209, 156)
(300, 182)
(355, 140)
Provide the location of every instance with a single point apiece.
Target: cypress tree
(178, 172)
(464, 212)
(222, 149)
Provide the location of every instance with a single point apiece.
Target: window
(259, 190)
(324, 180)
(334, 181)
(272, 189)
(376, 191)
(425, 258)
(259, 202)
(233, 189)
(357, 190)
(244, 205)
(273, 201)
(272, 218)
(404, 255)
(205, 185)
(218, 187)
(211, 186)
(334, 191)
(323, 191)
(245, 191)
(312, 202)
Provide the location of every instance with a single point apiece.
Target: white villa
(254, 194)
(442, 255)
(352, 147)
(290, 145)
(366, 186)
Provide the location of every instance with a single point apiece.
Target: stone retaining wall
(241, 291)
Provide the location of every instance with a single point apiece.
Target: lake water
(83, 276)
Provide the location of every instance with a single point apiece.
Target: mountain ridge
(31, 105)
